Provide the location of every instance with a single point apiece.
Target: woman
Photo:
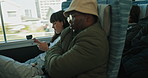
(10, 68)
(59, 23)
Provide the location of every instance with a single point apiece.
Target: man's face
(77, 20)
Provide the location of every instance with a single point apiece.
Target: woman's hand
(41, 45)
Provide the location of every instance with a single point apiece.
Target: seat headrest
(105, 16)
(143, 10)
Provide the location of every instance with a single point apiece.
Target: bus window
(26, 17)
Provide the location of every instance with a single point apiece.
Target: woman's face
(57, 26)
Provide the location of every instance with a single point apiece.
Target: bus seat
(105, 16)
(143, 10)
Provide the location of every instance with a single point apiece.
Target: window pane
(28, 17)
(1, 33)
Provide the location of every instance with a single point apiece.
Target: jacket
(79, 54)
(132, 31)
(136, 58)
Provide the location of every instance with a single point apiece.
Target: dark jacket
(132, 31)
(136, 58)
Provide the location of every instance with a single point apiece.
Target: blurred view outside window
(27, 17)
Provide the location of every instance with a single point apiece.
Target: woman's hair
(134, 14)
(58, 16)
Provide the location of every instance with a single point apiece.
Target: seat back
(105, 17)
(143, 10)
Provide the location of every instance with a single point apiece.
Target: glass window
(1, 32)
(27, 17)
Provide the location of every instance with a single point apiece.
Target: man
(82, 51)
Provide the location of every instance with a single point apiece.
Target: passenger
(83, 49)
(10, 68)
(135, 61)
(133, 27)
(131, 33)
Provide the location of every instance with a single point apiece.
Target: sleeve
(52, 44)
(142, 33)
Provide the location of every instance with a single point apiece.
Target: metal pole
(2, 21)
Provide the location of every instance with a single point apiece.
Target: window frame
(22, 43)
